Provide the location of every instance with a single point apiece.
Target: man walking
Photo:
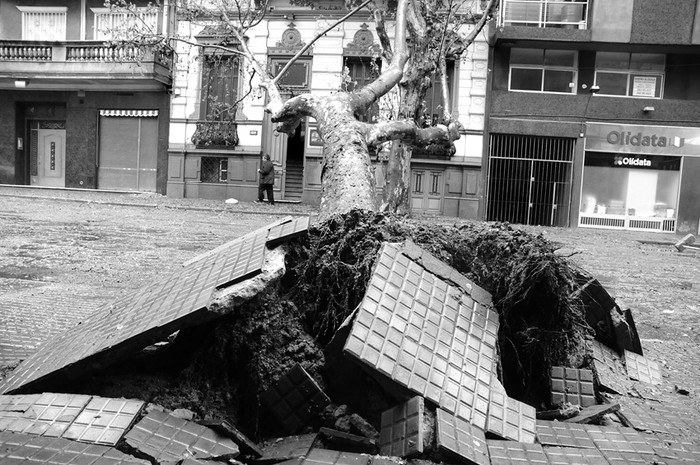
(267, 179)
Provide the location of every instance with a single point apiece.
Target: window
(219, 87)
(214, 169)
(360, 71)
(545, 13)
(538, 70)
(109, 23)
(43, 23)
(418, 182)
(630, 74)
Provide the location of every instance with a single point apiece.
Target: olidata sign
(649, 140)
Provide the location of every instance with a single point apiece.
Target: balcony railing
(81, 51)
(571, 14)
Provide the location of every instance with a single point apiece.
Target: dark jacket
(267, 172)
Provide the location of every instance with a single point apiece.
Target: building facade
(594, 115)
(211, 158)
(76, 111)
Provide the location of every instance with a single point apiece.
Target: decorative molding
(362, 43)
(290, 42)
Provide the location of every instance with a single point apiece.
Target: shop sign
(631, 161)
(652, 140)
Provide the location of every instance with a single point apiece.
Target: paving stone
(402, 433)
(512, 453)
(156, 310)
(572, 385)
(619, 440)
(557, 433)
(609, 369)
(642, 369)
(295, 399)
(47, 414)
(333, 457)
(458, 438)
(509, 418)
(165, 437)
(286, 449)
(574, 456)
(427, 335)
(104, 420)
(27, 449)
(17, 403)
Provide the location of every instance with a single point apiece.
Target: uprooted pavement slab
(404, 324)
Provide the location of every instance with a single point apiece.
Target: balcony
(545, 13)
(85, 65)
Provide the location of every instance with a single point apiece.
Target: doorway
(47, 157)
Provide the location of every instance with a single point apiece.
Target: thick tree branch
(394, 72)
(380, 27)
(408, 131)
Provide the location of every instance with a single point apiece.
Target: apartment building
(214, 149)
(594, 115)
(76, 109)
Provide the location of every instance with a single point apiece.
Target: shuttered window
(219, 87)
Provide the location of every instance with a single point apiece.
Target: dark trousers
(262, 188)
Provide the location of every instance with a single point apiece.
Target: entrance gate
(529, 180)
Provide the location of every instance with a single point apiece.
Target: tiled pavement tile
(427, 335)
(557, 433)
(48, 415)
(641, 416)
(295, 399)
(609, 369)
(672, 447)
(642, 369)
(619, 440)
(572, 385)
(333, 457)
(104, 421)
(458, 438)
(615, 457)
(402, 433)
(36, 450)
(287, 229)
(163, 306)
(289, 448)
(509, 418)
(574, 456)
(165, 437)
(512, 453)
(17, 403)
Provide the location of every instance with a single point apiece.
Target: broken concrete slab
(642, 369)
(613, 439)
(556, 433)
(512, 453)
(104, 421)
(402, 433)
(593, 413)
(572, 385)
(509, 418)
(25, 448)
(166, 438)
(427, 334)
(459, 440)
(573, 455)
(329, 438)
(296, 399)
(609, 369)
(288, 449)
(151, 314)
(248, 448)
(47, 414)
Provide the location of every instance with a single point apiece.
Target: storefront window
(629, 185)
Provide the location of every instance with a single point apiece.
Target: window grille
(43, 23)
(214, 169)
(545, 13)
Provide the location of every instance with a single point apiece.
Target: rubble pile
(416, 343)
